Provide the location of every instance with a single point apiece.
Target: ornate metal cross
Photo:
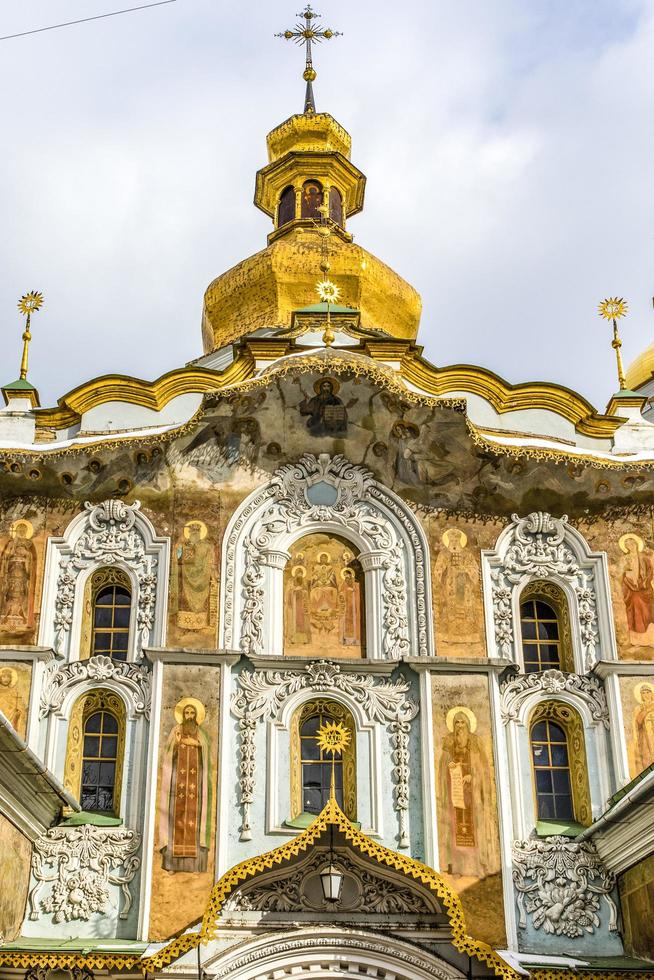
(308, 33)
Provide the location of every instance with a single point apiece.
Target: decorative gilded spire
(333, 738)
(309, 33)
(613, 309)
(28, 304)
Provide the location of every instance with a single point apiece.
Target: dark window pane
(107, 773)
(120, 641)
(123, 598)
(119, 655)
(94, 723)
(310, 749)
(539, 732)
(88, 799)
(559, 755)
(109, 747)
(310, 726)
(105, 596)
(312, 800)
(564, 809)
(548, 631)
(543, 611)
(543, 780)
(105, 799)
(91, 745)
(102, 616)
(121, 617)
(556, 734)
(102, 641)
(90, 773)
(110, 725)
(528, 629)
(528, 609)
(546, 807)
(561, 779)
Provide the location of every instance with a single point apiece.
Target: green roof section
(94, 819)
(327, 307)
(629, 786)
(20, 385)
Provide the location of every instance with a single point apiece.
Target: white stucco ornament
(134, 681)
(517, 691)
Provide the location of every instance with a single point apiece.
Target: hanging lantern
(331, 880)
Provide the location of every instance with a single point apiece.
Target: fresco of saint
(323, 598)
(456, 589)
(312, 198)
(12, 704)
(327, 415)
(644, 725)
(194, 556)
(186, 792)
(464, 784)
(637, 572)
(17, 579)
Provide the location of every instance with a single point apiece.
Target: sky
(508, 146)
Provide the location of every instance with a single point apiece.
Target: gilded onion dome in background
(309, 162)
(641, 369)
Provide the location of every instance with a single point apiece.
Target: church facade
(319, 659)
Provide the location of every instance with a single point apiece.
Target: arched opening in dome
(286, 210)
(312, 198)
(324, 598)
(336, 206)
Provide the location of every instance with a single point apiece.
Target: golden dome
(265, 289)
(641, 369)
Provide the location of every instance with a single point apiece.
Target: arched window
(94, 755)
(286, 210)
(324, 598)
(312, 196)
(545, 628)
(312, 768)
(558, 755)
(336, 206)
(108, 613)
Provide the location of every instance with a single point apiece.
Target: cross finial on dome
(308, 33)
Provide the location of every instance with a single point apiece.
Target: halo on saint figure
(29, 528)
(333, 382)
(638, 690)
(347, 557)
(200, 524)
(460, 709)
(347, 573)
(13, 675)
(298, 568)
(463, 537)
(633, 537)
(200, 710)
(401, 426)
(324, 554)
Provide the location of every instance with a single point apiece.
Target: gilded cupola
(309, 178)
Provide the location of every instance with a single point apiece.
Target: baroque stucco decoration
(560, 884)
(537, 547)
(260, 695)
(81, 863)
(112, 533)
(326, 493)
(134, 680)
(364, 890)
(518, 691)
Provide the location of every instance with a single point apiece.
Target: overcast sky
(508, 145)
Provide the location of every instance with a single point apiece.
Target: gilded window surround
(109, 575)
(555, 597)
(570, 721)
(84, 707)
(340, 714)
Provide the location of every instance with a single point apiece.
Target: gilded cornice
(333, 816)
(505, 397)
(24, 959)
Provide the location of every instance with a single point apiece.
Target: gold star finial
(613, 309)
(308, 33)
(29, 303)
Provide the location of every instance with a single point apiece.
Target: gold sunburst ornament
(333, 738)
(29, 303)
(328, 291)
(613, 309)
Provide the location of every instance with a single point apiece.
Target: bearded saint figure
(468, 846)
(644, 726)
(17, 569)
(186, 792)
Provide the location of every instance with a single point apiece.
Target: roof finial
(333, 738)
(28, 304)
(309, 33)
(612, 309)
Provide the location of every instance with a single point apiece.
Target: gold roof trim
(505, 397)
(24, 959)
(334, 816)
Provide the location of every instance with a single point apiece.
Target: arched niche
(324, 598)
(111, 534)
(311, 199)
(286, 208)
(326, 495)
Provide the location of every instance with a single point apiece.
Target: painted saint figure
(17, 576)
(186, 792)
(194, 577)
(457, 574)
(350, 600)
(323, 595)
(467, 846)
(12, 705)
(637, 592)
(644, 725)
(326, 411)
(298, 625)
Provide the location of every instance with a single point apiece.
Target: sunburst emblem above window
(613, 308)
(328, 291)
(332, 737)
(30, 303)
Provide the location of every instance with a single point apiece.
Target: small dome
(641, 369)
(265, 289)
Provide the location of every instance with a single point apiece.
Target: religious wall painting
(194, 591)
(311, 199)
(15, 849)
(466, 799)
(629, 546)
(18, 573)
(15, 681)
(637, 580)
(326, 413)
(324, 612)
(637, 697)
(457, 599)
(184, 856)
